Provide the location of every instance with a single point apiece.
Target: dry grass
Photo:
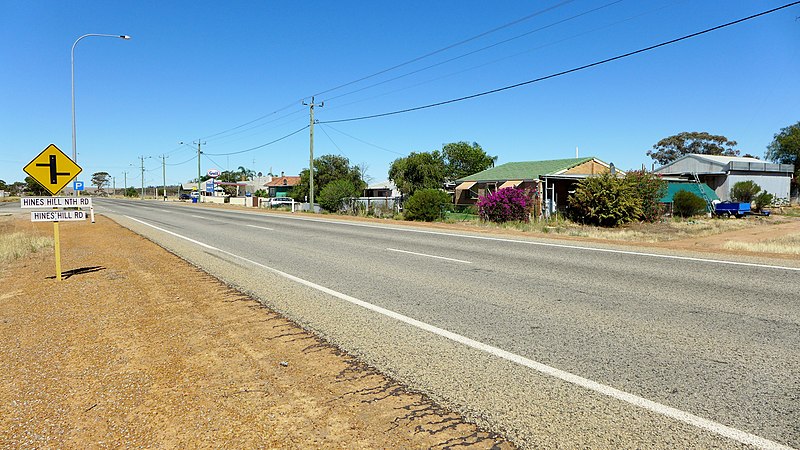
(789, 245)
(9, 199)
(664, 231)
(15, 243)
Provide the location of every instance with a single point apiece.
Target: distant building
(382, 189)
(282, 185)
(720, 173)
(550, 180)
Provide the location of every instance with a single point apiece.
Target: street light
(72, 60)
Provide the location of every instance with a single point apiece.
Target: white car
(280, 201)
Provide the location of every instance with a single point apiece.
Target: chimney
(281, 174)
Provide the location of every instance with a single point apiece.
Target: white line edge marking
(518, 241)
(256, 226)
(658, 408)
(198, 217)
(428, 256)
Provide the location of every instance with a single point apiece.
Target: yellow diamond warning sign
(52, 169)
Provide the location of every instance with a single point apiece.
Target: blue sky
(196, 69)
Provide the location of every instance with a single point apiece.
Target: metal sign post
(53, 170)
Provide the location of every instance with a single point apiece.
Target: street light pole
(72, 61)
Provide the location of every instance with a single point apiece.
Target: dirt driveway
(136, 348)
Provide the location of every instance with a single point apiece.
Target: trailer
(735, 209)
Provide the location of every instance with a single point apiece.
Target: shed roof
(695, 188)
(525, 170)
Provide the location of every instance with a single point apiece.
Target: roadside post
(54, 170)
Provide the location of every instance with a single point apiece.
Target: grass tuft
(789, 244)
(20, 244)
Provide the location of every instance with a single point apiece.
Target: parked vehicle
(184, 196)
(736, 209)
(280, 201)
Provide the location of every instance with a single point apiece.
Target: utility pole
(142, 158)
(113, 186)
(164, 173)
(198, 168)
(311, 150)
(125, 178)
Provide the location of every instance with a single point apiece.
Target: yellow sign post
(53, 170)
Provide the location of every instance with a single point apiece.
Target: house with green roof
(551, 180)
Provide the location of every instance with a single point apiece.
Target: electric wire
(334, 143)
(464, 55)
(448, 47)
(259, 146)
(252, 121)
(323, 126)
(565, 72)
(495, 61)
(427, 55)
(184, 162)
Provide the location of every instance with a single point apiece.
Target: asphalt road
(554, 344)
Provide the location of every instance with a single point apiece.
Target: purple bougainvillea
(504, 205)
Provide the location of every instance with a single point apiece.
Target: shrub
(261, 193)
(505, 205)
(604, 200)
(131, 192)
(745, 191)
(686, 204)
(763, 199)
(426, 204)
(648, 188)
(333, 195)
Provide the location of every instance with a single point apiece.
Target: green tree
(3, 185)
(698, 142)
(333, 196)
(763, 199)
(785, 147)
(131, 192)
(32, 187)
(649, 189)
(462, 159)
(604, 200)
(100, 179)
(244, 173)
(745, 191)
(427, 205)
(687, 204)
(18, 187)
(425, 170)
(328, 168)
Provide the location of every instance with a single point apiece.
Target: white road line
(262, 228)
(199, 217)
(429, 256)
(541, 244)
(658, 408)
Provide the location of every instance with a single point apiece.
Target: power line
(275, 124)
(258, 146)
(363, 141)
(464, 55)
(494, 61)
(184, 162)
(565, 72)
(252, 121)
(480, 35)
(477, 36)
(334, 143)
